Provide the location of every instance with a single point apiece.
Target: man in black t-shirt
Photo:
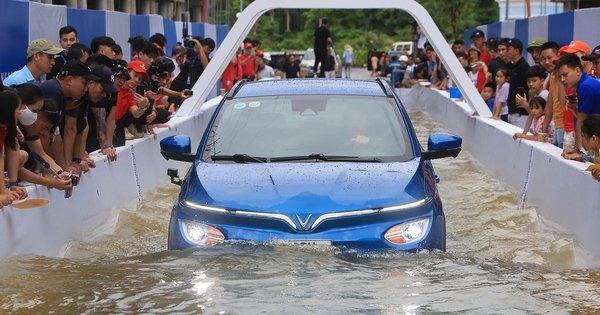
(320, 39)
(518, 67)
(68, 37)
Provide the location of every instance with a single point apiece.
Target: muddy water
(500, 260)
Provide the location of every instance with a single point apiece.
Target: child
(536, 111)
(501, 108)
(536, 76)
(489, 95)
(590, 139)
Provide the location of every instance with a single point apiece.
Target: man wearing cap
(249, 62)
(478, 38)
(535, 47)
(66, 89)
(518, 68)
(594, 59)
(98, 100)
(40, 59)
(130, 104)
(321, 37)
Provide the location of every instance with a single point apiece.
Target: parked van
(401, 48)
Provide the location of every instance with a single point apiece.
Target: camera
(160, 66)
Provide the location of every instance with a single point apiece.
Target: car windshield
(316, 127)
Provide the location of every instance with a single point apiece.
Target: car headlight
(201, 234)
(408, 232)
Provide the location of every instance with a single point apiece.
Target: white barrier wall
(90, 212)
(562, 190)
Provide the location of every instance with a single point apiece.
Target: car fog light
(201, 234)
(407, 232)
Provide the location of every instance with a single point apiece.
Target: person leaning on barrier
(585, 103)
(590, 139)
(47, 117)
(9, 113)
(67, 89)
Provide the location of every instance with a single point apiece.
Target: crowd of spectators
(549, 100)
(75, 99)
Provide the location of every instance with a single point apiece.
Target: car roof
(310, 86)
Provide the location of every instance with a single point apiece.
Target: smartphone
(571, 97)
(140, 89)
(189, 93)
(521, 91)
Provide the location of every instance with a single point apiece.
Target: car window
(309, 55)
(300, 125)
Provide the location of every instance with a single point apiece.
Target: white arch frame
(250, 15)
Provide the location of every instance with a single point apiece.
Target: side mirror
(441, 145)
(178, 148)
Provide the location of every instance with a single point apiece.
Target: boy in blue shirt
(489, 95)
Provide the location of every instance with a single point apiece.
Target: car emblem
(305, 223)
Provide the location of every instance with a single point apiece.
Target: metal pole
(246, 21)
(506, 14)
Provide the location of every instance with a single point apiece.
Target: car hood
(320, 187)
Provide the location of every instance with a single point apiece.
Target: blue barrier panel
(522, 32)
(494, 30)
(139, 25)
(89, 24)
(14, 23)
(170, 34)
(197, 29)
(222, 31)
(560, 27)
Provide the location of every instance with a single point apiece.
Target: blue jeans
(559, 135)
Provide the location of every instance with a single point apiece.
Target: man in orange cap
(580, 49)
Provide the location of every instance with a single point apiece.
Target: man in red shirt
(248, 62)
(478, 38)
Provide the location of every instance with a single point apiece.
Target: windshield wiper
(239, 158)
(323, 157)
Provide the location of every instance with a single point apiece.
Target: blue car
(310, 161)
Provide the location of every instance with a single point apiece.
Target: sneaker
(133, 130)
(128, 135)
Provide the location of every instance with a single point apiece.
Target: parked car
(401, 48)
(308, 62)
(278, 58)
(313, 161)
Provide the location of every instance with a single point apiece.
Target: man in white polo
(40, 59)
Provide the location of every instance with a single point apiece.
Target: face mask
(27, 117)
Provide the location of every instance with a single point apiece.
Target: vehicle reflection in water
(499, 260)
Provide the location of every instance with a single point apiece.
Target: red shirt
(124, 102)
(231, 74)
(485, 57)
(3, 132)
(250, 67)
(568, 117)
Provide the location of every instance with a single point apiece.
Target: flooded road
(499, 260)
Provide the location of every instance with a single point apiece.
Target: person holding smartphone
(131, 102)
